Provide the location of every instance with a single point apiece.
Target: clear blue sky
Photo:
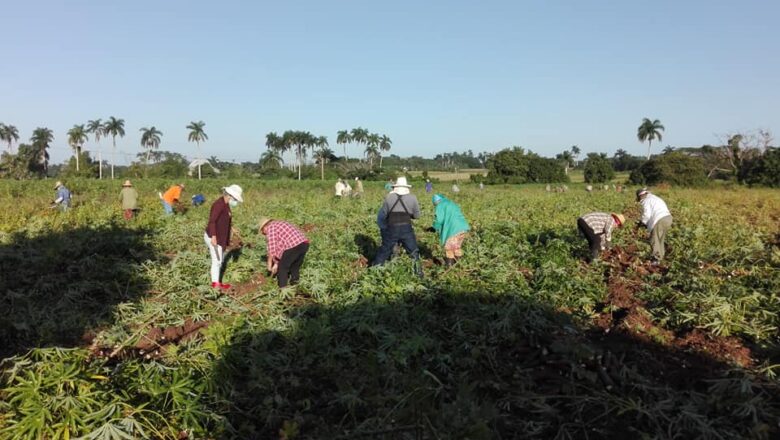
(435, 76)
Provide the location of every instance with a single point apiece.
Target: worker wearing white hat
(217, 235)
(400, 207)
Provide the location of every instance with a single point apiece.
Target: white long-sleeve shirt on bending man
(653, 209)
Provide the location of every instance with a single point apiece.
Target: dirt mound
(251, 286)
(308, 227)
(153, 343)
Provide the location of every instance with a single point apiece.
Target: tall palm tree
(575, 153)
(359, 135)
(40, 140)
(567, 158)
(649, 131)
(343, 138)
(372, 144)
(150, 140)
(271, 158)
(197, 135)
(95, 127)
(322, 154)
(9, 134)
(384, 145)
(76, 138)
(114, 127)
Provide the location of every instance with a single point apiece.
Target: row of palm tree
(374, 143)
(300, 142)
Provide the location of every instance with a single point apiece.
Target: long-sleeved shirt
(282, 236)
(172, 195)
(401, 213)
(381, 218)
(129, 198)
(653, 209)
(449, 220)
(220, 220)
(63, 196)
(600, 223)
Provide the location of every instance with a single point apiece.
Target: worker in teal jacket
(452, 227)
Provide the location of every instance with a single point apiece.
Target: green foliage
(598, 169)
(518, 166)
(673, 168)
(763, 170)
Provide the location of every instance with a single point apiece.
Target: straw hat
(620, 219)
(127, 183)
(401, 182)
(235, 191)
(263, 221)
(57, 185)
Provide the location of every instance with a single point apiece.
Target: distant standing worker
(171, 197)
(389, 185)
(428, 185)
(287, 247)
(400, 208)
(452, 227)
(455, 188)
(657, 218)
(217, 234)
(63, 196)
(597, 228)
(358, 187)
(129, 198)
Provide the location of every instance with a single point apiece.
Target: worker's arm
(438, 220)
(646, 211)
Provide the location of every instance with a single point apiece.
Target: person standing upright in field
(129, 199)
(63, 196)
(171, 198)
(597, 228)
(452, 227)
(217, 234)
(657, 219)
(400, 207)
(358, 192)
(428, 186)
(287, 247)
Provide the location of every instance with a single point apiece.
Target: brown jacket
(220, 219)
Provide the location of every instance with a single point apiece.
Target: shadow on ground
(466, 365)
(59, 287)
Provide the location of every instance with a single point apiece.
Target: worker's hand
(274, 269)
(214, 240)
(430, 229)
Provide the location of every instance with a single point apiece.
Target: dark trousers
(290, 264)
(403, 234)
(594, 241)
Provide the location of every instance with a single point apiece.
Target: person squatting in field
(217, 234)
(400, 207)
(63, 196)
(128, 197)
(287, 247)
(657, 219)
(171, 198)
(452, 227)
(597, 228)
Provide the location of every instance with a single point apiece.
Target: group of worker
(288, 245)
(344, 189)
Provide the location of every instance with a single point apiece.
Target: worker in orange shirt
(171, 197)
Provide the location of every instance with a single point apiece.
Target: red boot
(224, 286)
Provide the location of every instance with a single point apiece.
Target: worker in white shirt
(656, 218)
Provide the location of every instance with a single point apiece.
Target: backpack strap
(397, 201)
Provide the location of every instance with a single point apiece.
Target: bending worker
(452, 227)
(657, 218)
(400, 208)
(287, 247)
(597, 228)
(171, 198)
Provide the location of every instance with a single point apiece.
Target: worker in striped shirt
(287, 247)
(597, 228)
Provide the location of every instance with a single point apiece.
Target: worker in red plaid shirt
(287, 247)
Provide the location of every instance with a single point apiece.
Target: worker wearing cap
(657, 219)
(171, 197)
(287, 247)
(452, 227)
(217, 234)
(129, 199)
(63, 196)
(400, 207)
(597, 228)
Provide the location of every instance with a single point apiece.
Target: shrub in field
(673, 168)
(597, 168)
(763, 170)
(518, 166)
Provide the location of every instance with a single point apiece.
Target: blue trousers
(403, 234)
(168, 208)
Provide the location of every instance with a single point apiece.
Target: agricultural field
(109, 331)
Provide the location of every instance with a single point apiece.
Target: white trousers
(217, 254)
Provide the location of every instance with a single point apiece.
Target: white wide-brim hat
(235, 191)
(401, 182)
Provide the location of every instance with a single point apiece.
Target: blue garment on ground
(198, 199)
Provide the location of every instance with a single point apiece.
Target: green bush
(518, 166)
(598, 169)
(673, 168)
(763, 170)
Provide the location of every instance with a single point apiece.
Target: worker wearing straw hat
(287, 247)
(217, 234)
(597, 228)
(63, 196)
(400, 208)
(129, 199)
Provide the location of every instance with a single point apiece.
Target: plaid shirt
(601, 223)
(282, 236)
